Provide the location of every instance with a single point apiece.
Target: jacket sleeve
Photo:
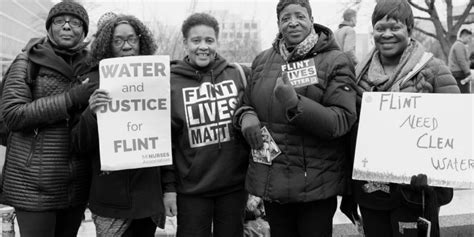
(246, 105)
(336, 113)
(20, 111)
(462, 59)
(168, 178)
(84, 134)
(444, 81)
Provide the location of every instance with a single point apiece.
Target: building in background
(20, 21)
(239, 38)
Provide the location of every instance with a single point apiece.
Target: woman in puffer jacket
(308, 123)
(389, 209)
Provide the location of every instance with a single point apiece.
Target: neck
(389, 64)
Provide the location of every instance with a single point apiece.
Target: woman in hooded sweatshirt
(126, 202)
(46, 183)
(308, 122)
(210, 157)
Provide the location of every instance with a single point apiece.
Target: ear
(312, 19)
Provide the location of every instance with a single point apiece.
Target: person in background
(458, 61)
(126, 202)
(210, 156)
(47, 184)
(308, 123)
(100, 23)
(345, 36)
(390, 209)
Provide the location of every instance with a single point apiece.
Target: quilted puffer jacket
(313, 157)
(40, 173)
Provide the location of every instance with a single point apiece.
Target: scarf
(69, 51)
(300, 51)
(382, 82)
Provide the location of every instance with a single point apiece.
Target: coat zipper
(32, 148)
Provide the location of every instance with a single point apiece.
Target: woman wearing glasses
(127, 202)
(46, 84)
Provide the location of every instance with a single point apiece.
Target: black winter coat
(312, 163)
(40, 172)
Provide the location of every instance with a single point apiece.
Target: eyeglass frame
(68, 21)
(126, 40)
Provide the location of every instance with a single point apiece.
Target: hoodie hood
(186, 70)
(326, 40)
(43, 53)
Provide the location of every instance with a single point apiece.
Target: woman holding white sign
(126, 202)
(302, 91)
(400, 64)
(210, 157)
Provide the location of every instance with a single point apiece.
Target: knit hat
(283, 3)
(72, 8)
(104, 19)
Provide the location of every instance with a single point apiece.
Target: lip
(66, 37)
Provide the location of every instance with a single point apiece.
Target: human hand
(252, 204)
(250, 127)
(169, 201)
(419, 182)
(80, 94)
(466, 80)
(285, 93)
(99, 99)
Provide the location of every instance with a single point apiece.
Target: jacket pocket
(112, 189)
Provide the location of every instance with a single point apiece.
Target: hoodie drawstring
(215, 100)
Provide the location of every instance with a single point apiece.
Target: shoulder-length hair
(101, 48)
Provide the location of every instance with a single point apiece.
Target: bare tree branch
(423, 18)
(425, 32)
(418, 6)
(464, 15)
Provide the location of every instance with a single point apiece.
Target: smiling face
(294, 23)
(125, 41)
(67, 36)
(391, 38)
(201, 45)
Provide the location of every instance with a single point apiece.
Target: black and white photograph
(237, 118)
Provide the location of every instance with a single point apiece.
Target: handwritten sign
(301, 73)
(134, 128)
(404, 134)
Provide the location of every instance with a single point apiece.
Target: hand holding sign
(285, 93)
(99, 99)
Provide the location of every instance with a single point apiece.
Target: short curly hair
(197, 19)
(284, 3)
(101, 48)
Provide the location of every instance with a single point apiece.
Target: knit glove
(79, 95)
(285, 93)
(250, 127)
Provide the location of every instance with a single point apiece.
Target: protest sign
(405, 134)
(134, 128)
(301, 73)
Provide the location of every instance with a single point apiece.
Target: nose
(387, 33)
(293, 22)
(126, 45)
(66, 26)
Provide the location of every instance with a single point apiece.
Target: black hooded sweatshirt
(210, 156)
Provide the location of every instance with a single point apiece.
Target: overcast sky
(173, 12)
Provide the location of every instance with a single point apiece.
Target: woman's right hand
(98, 99)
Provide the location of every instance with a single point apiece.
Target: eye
(285, 19)
(301, 17)
(209, 40)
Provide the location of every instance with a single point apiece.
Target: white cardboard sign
(134, 128)
(404, 134)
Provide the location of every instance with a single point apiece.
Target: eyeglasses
(72, 22)
(119, 42)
